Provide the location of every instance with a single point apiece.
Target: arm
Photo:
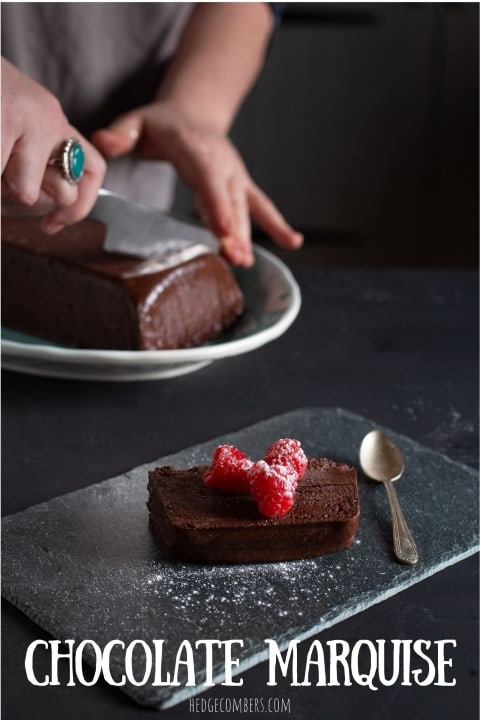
(218, 58)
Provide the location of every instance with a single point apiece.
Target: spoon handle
(403, 542)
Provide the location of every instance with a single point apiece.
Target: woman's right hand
(34, 129)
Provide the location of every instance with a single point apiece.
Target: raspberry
(271, 482)
(289, 453)
(228, 471)
(273, 488)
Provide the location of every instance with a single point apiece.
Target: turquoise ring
(71, 161)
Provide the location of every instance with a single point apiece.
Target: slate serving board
(84, 565)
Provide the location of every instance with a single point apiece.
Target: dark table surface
(397, 346)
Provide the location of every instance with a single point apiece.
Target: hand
(225, 194)
(34, 129)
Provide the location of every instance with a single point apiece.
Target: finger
(44, 205)
(231, 247)
(87, 189)
(8, 142)
(120, 138)
(237, 246)
(215, 203)
(202, 211)
(25, 169)
(271, 220)
(12, 208)
(54, 188)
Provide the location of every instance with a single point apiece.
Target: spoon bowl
(381, 460)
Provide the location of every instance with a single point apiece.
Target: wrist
(189, 109)
(178, 118)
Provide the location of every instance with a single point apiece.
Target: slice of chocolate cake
(67, 289)
(197, 524)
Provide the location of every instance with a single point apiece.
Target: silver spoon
(381, 460)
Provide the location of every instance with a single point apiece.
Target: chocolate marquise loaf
(67, 289)
(194, 523)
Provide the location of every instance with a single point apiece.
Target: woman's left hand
(226, 196)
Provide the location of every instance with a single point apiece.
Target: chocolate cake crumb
(197, 524)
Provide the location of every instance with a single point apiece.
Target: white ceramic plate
(273, 301)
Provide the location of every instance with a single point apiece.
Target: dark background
(363, 128)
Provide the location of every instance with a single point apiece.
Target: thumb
(119, 138)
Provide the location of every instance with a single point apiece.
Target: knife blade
(145, 232)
